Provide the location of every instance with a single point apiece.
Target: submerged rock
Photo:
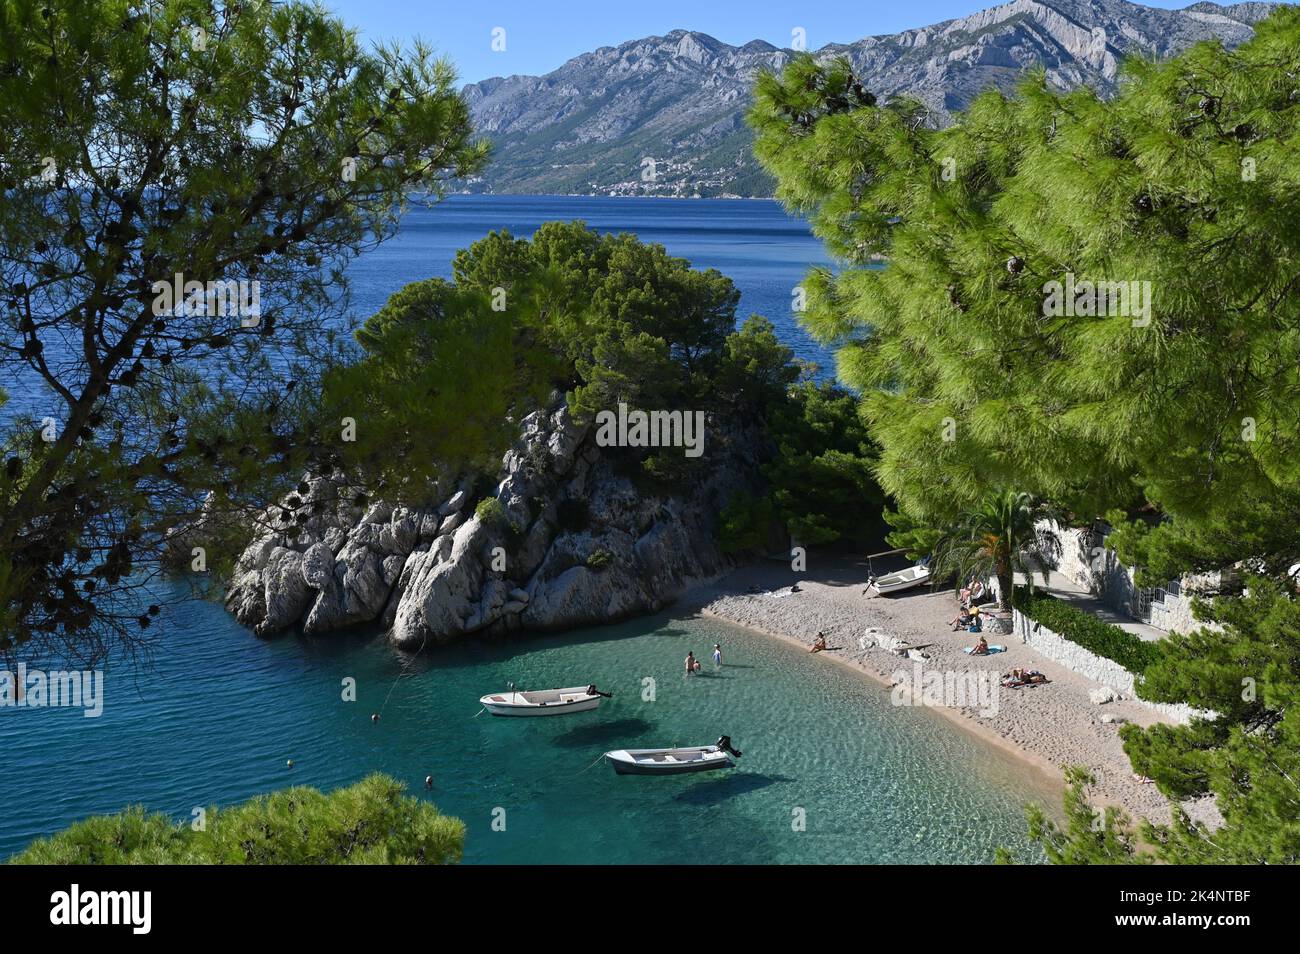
(579, 544)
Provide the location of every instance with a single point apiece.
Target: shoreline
(1048, 772)
(1043, 727)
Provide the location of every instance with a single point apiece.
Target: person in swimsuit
(692, 664)
(717, 654)
(819, 643)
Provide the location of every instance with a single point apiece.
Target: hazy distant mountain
(680, 99)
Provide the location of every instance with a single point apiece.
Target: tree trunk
(1006, 586)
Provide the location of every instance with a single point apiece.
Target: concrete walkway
(1069, 591)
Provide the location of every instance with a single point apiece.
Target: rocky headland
(569, 536)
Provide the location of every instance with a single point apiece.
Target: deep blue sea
(752, 241)
(831, 771)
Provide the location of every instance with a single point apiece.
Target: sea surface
(831, 772)
(753, 242)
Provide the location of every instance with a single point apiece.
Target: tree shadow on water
(603, 733)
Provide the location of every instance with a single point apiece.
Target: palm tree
(999, 538)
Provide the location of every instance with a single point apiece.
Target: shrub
(1086, 630)
(372, 822)
(745, 522)
(599, 559)
(491, 512)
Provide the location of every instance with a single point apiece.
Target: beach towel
(992, 650)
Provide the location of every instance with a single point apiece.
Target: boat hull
(530, 710)
(626, 763)
(897, 583)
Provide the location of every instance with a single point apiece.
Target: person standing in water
(692, 663)
(717, 655)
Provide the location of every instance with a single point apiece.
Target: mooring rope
(598, 758)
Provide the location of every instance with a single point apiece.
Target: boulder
(318, 566)
(455, 503)
(433, 575)
(286, 592)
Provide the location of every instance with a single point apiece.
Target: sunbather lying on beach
(960, 621)
(1023, 677)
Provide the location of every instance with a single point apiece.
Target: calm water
(217, 712)
(220, 712)
(751, 241)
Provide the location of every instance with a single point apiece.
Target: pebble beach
(1049, 726)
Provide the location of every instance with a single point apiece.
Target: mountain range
(679, 100)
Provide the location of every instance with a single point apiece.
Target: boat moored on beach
(677, 761)
(543, 702)
(902, 580)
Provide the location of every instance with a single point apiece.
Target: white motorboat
(543, 702)
(679, 761)
(902, 580)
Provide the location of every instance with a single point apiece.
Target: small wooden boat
(543, 702)
(680, 761)
(902, 580)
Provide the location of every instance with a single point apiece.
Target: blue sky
(542, 34)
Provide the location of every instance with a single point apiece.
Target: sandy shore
(1048, 726)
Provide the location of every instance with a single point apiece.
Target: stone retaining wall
(1086, 663)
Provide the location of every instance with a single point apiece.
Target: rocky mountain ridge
(664, 115)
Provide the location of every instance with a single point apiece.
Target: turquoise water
(213, 715)
(218, 713)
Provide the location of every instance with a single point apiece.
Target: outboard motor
(724, 743)
(593, 691)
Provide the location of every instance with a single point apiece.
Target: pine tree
(970, 315)
(975, 369)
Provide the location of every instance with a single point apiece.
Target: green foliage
(441, 386)
(599, 559)
(999, 537)
(272, 153)
(491, 512)
(1184, 411)
(820, 484)
(1186, 179)
(1266, 531)
(756, 370)
(633, 323)
(1095, 635)
(1090, 837)
(745, 523)
(908, 533)
(1248, 757)
(821, 475)
(372, 822)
